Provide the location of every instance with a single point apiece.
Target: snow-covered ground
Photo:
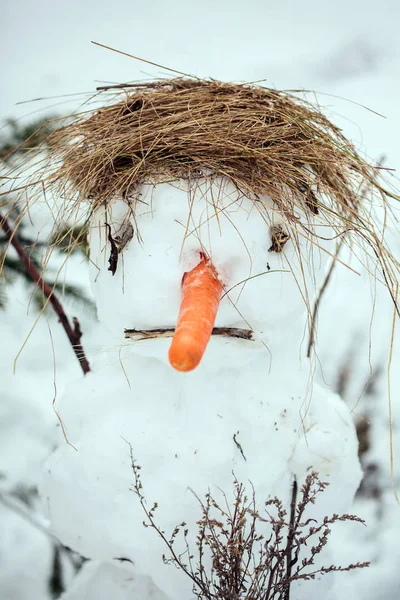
(346, 49)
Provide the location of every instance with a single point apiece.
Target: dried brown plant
(264, 140)
(269, 143)
(234, 559)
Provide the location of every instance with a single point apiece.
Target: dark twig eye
(310, 198)
(279, 237)
(118, 243)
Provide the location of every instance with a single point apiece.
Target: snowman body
(249, 412)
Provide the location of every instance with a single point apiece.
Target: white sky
(347, 47)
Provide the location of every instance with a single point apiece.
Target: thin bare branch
(73, 332)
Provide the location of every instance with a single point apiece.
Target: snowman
(204, 293)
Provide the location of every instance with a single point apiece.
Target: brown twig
(113, 260)
(168, 332)
(238, 445)
(74, 333)
(290, 538)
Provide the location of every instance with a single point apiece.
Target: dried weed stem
(234, 558)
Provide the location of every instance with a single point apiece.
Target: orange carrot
(201, 294)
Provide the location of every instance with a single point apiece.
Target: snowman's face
(266, 282)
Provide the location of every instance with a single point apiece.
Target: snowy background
(342, 50)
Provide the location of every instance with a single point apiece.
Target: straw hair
(267, 142)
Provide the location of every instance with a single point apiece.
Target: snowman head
(252, 182)
(267, 272)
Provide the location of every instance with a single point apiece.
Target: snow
(183, 427)
(294, 45)
(28, 433)
(112, 581)
(25, 556)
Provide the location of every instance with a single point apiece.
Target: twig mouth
(168, 332)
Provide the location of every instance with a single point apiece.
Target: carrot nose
(201, 295)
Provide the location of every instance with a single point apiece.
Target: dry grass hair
(267, 142)
(263, 140)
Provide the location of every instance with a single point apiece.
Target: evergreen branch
(70, 239)
(74, 333)
(13, 267)
(25, 241)
(69, 292)
(24, 138)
